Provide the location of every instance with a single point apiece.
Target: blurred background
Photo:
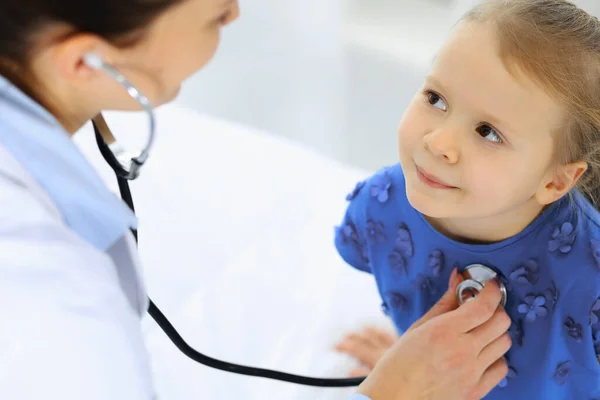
(334, 75)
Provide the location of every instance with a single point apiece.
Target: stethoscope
(127, 168)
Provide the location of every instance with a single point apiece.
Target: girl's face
(476, 141)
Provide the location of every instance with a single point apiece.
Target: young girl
(499, 165)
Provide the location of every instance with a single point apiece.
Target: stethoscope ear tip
(93, 60)
(124, 168)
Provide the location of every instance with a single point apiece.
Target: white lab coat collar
(123, 252)
(44, 149)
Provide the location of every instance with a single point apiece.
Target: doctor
(71, 293)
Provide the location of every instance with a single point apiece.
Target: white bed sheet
(236, 237)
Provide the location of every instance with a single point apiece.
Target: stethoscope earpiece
(93, 60)
(124, 166)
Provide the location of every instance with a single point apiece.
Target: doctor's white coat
(69, 314)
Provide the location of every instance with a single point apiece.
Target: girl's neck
(492, 229)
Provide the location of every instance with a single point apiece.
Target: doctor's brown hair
(558, 45)
(24, 22)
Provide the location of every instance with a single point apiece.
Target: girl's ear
(560, 182)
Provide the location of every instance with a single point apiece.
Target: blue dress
(551, 270)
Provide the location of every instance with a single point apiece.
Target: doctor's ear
(78, 57)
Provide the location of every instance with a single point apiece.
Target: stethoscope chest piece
(476, 276)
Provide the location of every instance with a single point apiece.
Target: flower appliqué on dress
(595, 313)
(403, 249)
(563, 370)
(380, 188)
(526, 274)
(574, 329)
(398, 300)
(404, 241)
(352, 195)
(397, 262)
(436, 262)
(385, 309)
(562, 238)
(595, 246)
(553, 294)
(425, 284)
(350, 236)
(349, 233)
(533, 306)
(375, 231)
(596, 338)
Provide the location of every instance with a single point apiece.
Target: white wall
(335, 75)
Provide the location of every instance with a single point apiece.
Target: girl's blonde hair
(558, 45)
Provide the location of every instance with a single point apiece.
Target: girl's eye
(488, 133)
(436, 100)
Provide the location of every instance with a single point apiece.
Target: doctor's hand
(452, 353)
(371, 343)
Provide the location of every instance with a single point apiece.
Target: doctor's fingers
(478, 311)
(447, 303)
(487, 333)
(491, 378)
(493, 352)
